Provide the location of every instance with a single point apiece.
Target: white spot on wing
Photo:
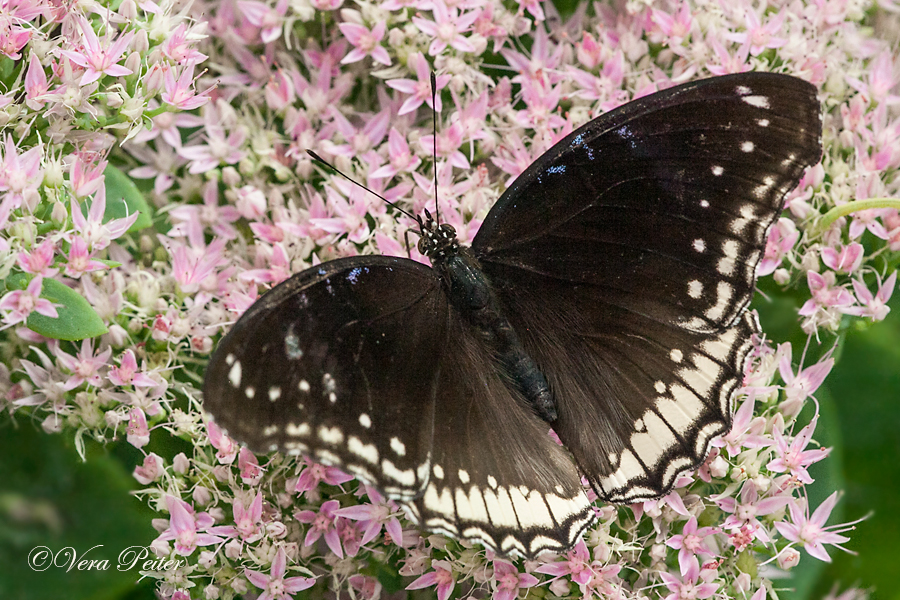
(757, 101)
(301, 430)
(463, 476)
(695, 289)
(234, 374)
(250, 391)
(303, 386)
(747, 147)
(717, 170)
(652, 445)
(398, 447)
(676, 355)
(406, 477)
(699, 245)
(442, 504)
(274, 393)
(724, 292)
(438, 471)
(330, 435)
(367, 452)
(365, 421)
(500, 508)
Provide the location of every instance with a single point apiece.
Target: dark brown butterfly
(604, 297)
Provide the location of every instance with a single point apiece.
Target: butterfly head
(436, 241)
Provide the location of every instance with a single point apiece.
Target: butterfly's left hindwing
(626, 255)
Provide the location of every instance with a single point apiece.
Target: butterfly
(604, 297)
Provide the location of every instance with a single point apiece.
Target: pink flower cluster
(211, 110)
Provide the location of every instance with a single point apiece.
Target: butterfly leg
(406, 243)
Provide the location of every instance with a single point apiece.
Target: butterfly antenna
(437, 205)
(323, 162)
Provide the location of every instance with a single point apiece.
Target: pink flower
(745, 430)
(687, 586)
(419, 90)
(447, 28)
(248, 521)
(187, 529)
(191, 266)
(48, 382)
(402, 160)
(94, 231)
(21, 303)
(80, 261)
(448, 142)
(380, 514)
(792, 457)
(218, 149)
(874, 307)
(180, 92)
(323, 524)
(39, 260)
(368, 588)
(441, 577)
(269, 20)
(227, 448)
(274, 585)
(802, 385)
(127, 372)
(868, 219)
(781, 240)
(690, 542)
(825, 294)
(151, 470)
(365, 43)
(361, 140)
(35, 84)
(21, 175)
(750, 506)
(509, 580)
(810, 532)
(677, 27)
(760, 36)
(249, 466)
(575, 564)
(96, 58)
(178, 47)
(845, 260)
(84, 366)
(138, 433)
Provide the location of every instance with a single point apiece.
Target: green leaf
(124, 198)
(77, 319)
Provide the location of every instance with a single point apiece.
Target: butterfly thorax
(471, 294)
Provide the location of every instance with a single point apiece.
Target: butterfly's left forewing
(339, 363)
(626, 256)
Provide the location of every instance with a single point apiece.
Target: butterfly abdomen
(470, 293)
